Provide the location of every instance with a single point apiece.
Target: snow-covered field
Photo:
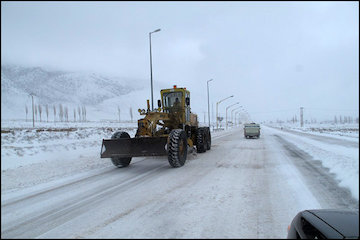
(53, 150)
(342, 160)
(221, 185)
(36, 155)
(324, 129)
(60, 149)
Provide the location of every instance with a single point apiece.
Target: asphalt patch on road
(323, 184)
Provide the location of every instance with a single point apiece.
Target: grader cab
(168, 130)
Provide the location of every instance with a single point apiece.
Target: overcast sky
(274, 57)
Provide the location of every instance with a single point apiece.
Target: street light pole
(217, 104)
(233, 111)
(226, 113)
(247, 116)
(208, 100)
(152, 97)
(235, 117)
(237, 114)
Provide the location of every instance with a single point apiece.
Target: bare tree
(66, 114)
(54, 113)
(79, 112)
(47, 112)
(40, 111)
(74, 114)
(119, 112)
(35, 113)
(61, 112)
(335, 120)
(26, 111)
(83, 113)
(131, 114)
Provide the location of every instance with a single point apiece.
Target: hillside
(100, 94)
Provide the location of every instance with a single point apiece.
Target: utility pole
(301, 117)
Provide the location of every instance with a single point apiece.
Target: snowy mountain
(100, 94)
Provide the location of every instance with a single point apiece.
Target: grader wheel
(208, 139)
(201, 140)
(177, 145)
(118, 161)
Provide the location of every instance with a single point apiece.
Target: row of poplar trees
(61, 114)
(131, 113)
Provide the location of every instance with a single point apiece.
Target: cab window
(170, 98)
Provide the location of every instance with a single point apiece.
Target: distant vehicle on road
(324, 224)
(251, 130)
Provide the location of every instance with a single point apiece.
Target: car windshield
(182, 120)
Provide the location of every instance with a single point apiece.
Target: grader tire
(208, 139)
(201, 141)
(118, 161)
(177, 146)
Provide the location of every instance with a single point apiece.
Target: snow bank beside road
(342, 161)
(32, 156)
(349, 131)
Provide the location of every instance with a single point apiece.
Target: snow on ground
(212, 196)
(341, 131)
(34, 160)
(51, 151)
(36, 155)
(56, 150)
(340, 159)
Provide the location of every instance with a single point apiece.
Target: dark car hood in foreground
(345, 222)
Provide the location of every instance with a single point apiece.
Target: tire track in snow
(35, 226)
(32, 226)
(80, 181)
(321, 182)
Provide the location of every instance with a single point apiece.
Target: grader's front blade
(133, 147)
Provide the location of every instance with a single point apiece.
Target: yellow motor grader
(168, 130)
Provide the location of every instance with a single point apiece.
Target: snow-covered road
(241, 188)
